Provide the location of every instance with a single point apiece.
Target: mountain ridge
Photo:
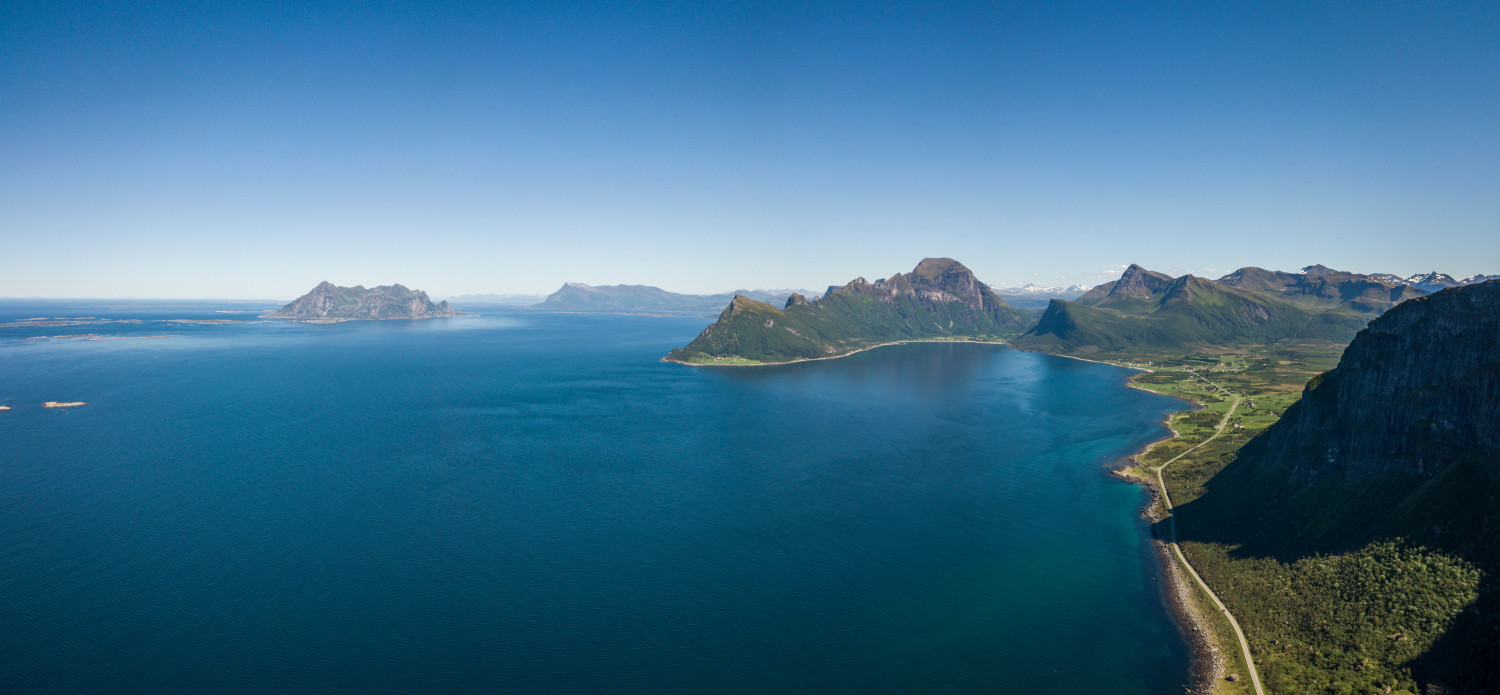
(939, 299)
(1150, 310)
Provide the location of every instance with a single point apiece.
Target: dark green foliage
(1365, 583)
(1353, 622)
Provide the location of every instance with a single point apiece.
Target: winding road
(1177, 549)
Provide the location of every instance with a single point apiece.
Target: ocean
(529, 502)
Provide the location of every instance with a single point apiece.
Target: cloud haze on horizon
(196, 151)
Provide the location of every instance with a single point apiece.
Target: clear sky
(252, 150)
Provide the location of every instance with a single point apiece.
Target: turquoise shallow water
(526, 502)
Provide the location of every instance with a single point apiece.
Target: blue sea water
(526, 502)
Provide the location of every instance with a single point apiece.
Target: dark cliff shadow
(1260, 511)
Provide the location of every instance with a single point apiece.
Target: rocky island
(939, 300)
(329, 302)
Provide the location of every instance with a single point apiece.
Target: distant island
(939, 300)
(576, 296)
(333, 303)
(502, 299)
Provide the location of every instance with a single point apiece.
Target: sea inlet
(527, 502)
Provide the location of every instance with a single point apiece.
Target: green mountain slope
(940, 298)
(1358, 538)
(1137, 290)
(1145, 311)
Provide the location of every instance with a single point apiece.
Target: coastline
(1208, 665)
(1184, 601)
(834, 357)
(1208, 662)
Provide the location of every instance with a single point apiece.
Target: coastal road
(1177, 549)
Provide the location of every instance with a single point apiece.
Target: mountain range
(1433, 281)
(329, 301)
(1320, 286)
(1143, 310)
(1150, 310)
(1033, 289)
(939, 299)
(1033, 298)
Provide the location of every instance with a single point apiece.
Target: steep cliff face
(933, 282)
(1397, 447)
(329, 301)
(1416, 390)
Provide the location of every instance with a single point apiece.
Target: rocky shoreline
(1208, 662)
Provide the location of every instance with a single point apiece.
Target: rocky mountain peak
(933, 268)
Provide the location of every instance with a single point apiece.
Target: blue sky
(253, 149)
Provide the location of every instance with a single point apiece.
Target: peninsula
(939, 300)
(330, 302)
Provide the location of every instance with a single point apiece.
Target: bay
(531, 502)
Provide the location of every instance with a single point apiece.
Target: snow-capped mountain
(1433, 281)
(1033, 289)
